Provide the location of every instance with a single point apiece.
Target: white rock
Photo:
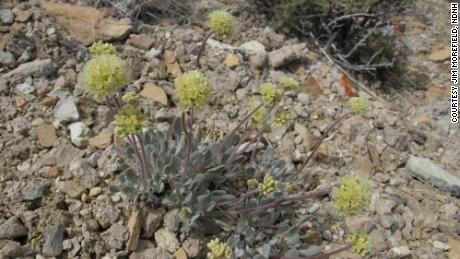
(79, 134)
(219, 45)
(6, 16)
(434, 173)
(3, 85)
(440, 245)
(167, 240)
(401, 251)
(66, 110)
(285, 55)
(6, 58)
(253, 47)
(153, 53)
(25, 88)
(37, 67)
(304, 98)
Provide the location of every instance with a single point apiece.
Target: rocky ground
(58, 153)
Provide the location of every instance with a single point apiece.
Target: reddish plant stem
(261, 208)
(226, 138)
(202, 49)
(134, 143)
(189, 140)
(117, 101)
(259, 136)
(133, 139)
(318, 144)
(234, 152)
(146, 161)
(321, 256)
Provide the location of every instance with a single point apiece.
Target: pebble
(21, 126)
(79, 134)
(152, 54)
(171, 220)
(116, 236)
(193, 247)
(401, 251)
(6, 58)
(358, 223)
(67, 244)
(303, 98)
(434, 174)
(384, 206)
(102, 140)
(34, 68)
(95, 191)
(22, 15)
(53, 240)
(151, 222)
(151, 253)
(258, 61)
(386, 221)
(300, 110)
(231, 61)
(134, 228)
(167, 240)
(72, 188)
(13, 249)
(225, 79)
(3, 85)
(180, 254)
(397, 181)
(33, 191)
(285, 55)
(381, 178)
(66, 110)
(116, 197)
(440, 245)
(6, 16)
(84, 198)
(25, 88)
(12, 228)
(423, 217)
(252, 48)
(378, 240)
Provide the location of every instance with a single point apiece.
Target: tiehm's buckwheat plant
(220, 23)
(241, 198)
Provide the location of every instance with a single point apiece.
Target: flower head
(259, 118)
(353, 196)
(219, 250)
(252, 184)
(104, 74)
(129, 120)
(183, 214)
(100, 48)
(130, 97)
(281, 118)
(289, 83)
(270, 93)
(358, 106)
(222, 23)
(361, 243)
(193, 89)
(268, 186)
